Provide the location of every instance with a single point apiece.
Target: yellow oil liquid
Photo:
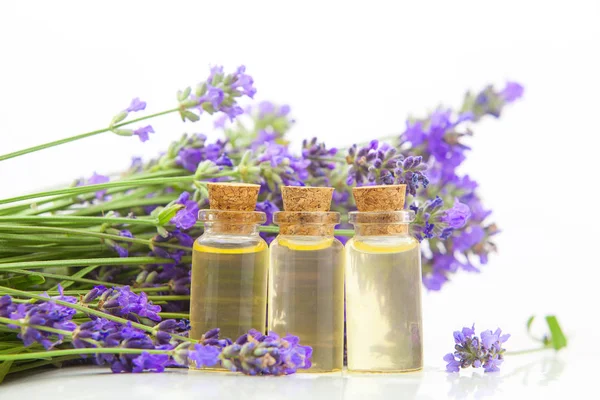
(306, 296)
(383, 305)
(229, 288)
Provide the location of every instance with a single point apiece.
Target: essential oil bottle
(306, 279)
(229, 264)
(383, 284)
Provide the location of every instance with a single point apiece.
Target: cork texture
(232, 196)
(307, 223)
(374, 201)
(304, 198)
(379, 198)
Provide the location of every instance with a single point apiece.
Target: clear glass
(383, 303)
(306, 295)
(229, 281)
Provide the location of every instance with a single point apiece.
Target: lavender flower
(457, 216)
(188, 215)
(195, 150)
(320, 157)
(257, 354)
(136, 105)
(44, 313)
(96, 179)
(381, 164)
(122, 302)
(429, 220)
(471, 351)
(143, 132)
(217, 94)
(204, 356)
(279, 166)
(511, 92)
(174, 237)
(121, 250)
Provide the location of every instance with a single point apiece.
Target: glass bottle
(383, 285)
(306, 279)
(229, 265)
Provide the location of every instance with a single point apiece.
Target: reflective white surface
(543, 375)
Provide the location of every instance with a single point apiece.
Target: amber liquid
(306, 297)
(383, 306)
(229, 289)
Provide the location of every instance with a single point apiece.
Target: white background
(350, 71)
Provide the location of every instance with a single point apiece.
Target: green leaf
(529, 322)
(166, 214)
(558, 338)
(23, 281)
(79, 274)
(4, 368)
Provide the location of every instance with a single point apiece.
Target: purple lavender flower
(196, 150)
(457, 216)
(188, 215)
(122, 302)
(218, 94)
(280, 166)
(96, 179)
(143, 132)
(320, 157)
(243, 83)
(174, 237)
(123, 251)
(269, 208)
(136, 105)
(204, 356)
(428, 223)
(471, 351)
(511, 92)
(149, 362)
(257, 354)
(381, 164)
(44, 313)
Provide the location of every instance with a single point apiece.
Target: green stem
(118, 205)
(174, 315)
(86, 310)
(80, 220)
(68, 199)
(29, 228)
(82, 136)
(68, 352)
(100, 186)
(91, 261)
(64, 278)
(168, 297)
(116, 184)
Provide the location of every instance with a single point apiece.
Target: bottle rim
(381, 217)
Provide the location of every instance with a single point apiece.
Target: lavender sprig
(258, 354)
(472, 351)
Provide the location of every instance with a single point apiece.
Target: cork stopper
(380, 210)
(379, 198)
(305, 198)
(232, 196)
(306, 211)
(232, 207)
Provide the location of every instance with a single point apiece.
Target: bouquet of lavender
(103, 267)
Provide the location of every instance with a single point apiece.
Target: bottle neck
(381, 229)
(306, 230)
(228, 228)
(306, 223)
